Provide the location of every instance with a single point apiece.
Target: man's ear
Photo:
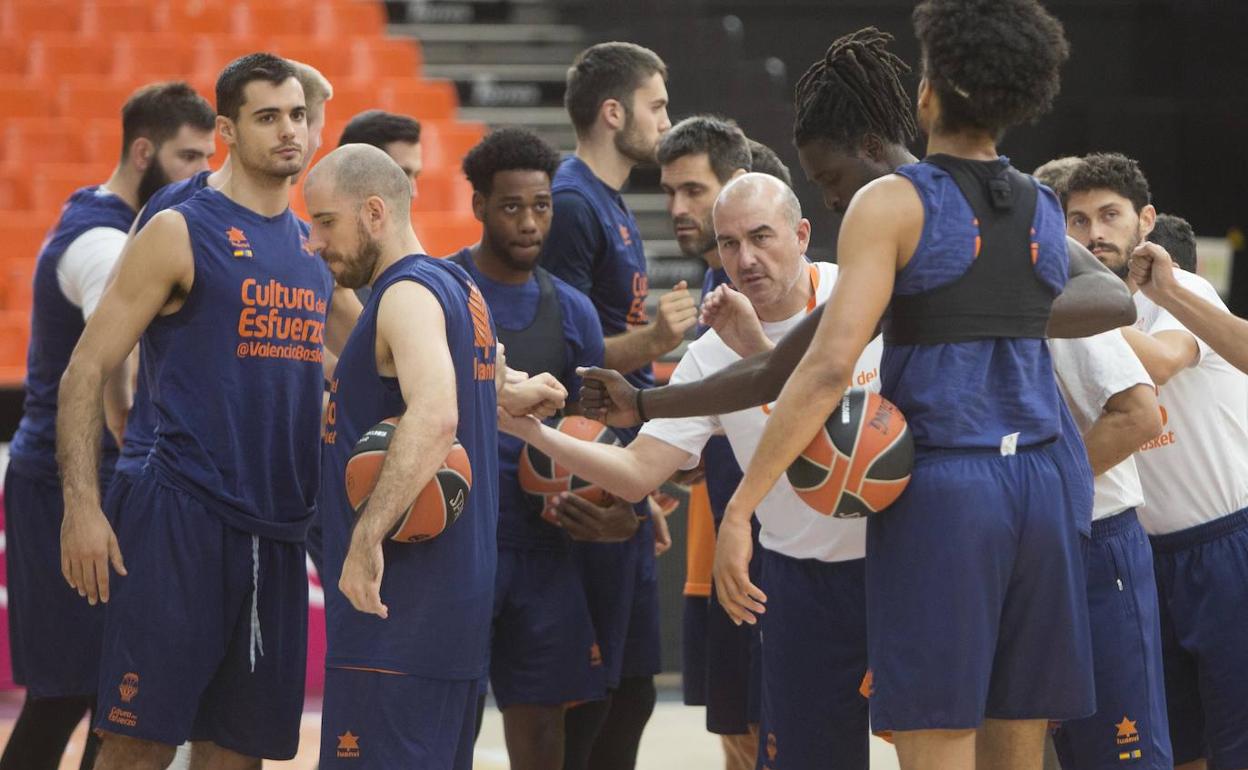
(478, 206)
(142, 153)
(1148, 219)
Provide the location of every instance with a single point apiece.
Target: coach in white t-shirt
(1112, 401)
(1194, 477)
(814, 629)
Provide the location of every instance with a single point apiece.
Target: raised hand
(677, 314)
(731, 315)
(608, 398)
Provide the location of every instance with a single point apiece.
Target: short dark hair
(248, 69)
(508, 149)
(379, 128)
(766, 161)
(607, 71)
(159, 110)
(1175, 235)
(1111, 171)
(724, 144)
(853, 91)
(994, 63)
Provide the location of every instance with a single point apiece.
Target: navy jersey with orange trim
(439, 592)
(237, 370)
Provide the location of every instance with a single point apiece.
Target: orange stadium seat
(17, 277)
(388, 57)
(334, 62)
(185, 18)
(26, 17)
(339, 20)
(32, 140)
(144, 59)
(56, 56)
(442, 235)
(105, 18)
(84, 97)
(444, 190)
(422, 99)
(14, 337)
(213, 52)
(101, 140)
(21, 97)
(444, 143)
(260, 20)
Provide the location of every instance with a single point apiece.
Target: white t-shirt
(1197, 469)
(789, 526)
(83, 270)
(1090, 371)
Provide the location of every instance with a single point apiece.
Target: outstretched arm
(1094, 300)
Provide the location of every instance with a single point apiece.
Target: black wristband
(641, 412)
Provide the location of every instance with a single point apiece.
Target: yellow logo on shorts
(348, 746)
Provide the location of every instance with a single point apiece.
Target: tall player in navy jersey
(166, 134)
(407, 650)
(544, 653)
(205, 633)
(987, 535)
(616, 98)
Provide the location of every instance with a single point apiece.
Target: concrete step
(492, 33)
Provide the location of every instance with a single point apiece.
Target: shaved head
(355, 172)
(1056, 173)
(759, 191)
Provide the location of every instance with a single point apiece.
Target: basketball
(542, 477)
(436, 507)
(859, 462)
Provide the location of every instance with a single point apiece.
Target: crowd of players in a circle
(1071, 553)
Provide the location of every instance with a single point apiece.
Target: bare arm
(1094, 300)
(638, 347)
(152, 267)
(1165, 353)
(630, 472)
(1130, 419)
(410, 328)
(1153, 271)
(344, 311)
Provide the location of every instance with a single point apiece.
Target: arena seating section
(67, 66)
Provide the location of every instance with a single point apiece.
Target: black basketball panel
(804, 474)
(375, 439)
(845, 422)
(455, 491)
(850, 506)
(897, 461)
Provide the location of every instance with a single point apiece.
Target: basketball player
(54, 638)
(697, 157)
(205, 633)
(616, 98)
(403, 664)
(316, 91)
(1195, 479)
(814, 646)
(397, 135)
(544, 653)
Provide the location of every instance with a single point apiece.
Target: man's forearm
(632, 350)
(79, 426)
(746, 383)
(1227, 334)
(417, 449)
(616, 469)
(1114, 437)
(118, 397)
(1090, 304)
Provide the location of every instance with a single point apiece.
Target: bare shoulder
(890, 196)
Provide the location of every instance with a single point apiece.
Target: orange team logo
(1127, 732)
(626, 235)
(129, 687)
(595, 655)
(307, 249)
(348, 746)
(484, 366)
(238, 242)
(772, 751)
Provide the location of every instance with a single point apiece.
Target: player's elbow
(637, 489)
(1144, 425)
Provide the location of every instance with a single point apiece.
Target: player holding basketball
(405, 653)
(544, 652)
(166, 135)
(814, 646)
(1195, 478)
(616, 98)
(205, 632)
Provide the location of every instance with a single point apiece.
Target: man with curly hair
(1195, 477)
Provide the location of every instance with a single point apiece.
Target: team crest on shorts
(129, 687)
(1127, 732)
(348, 746)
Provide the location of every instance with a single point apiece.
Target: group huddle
(1070, 555)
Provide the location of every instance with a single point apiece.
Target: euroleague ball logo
(458, 501)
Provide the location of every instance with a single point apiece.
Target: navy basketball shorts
(372, 720)
(543, 650)
(54, 634)
(814, 655)
(1202, 586)
(977, 601)
(693, 650)
(621, 587)
(206, 638)
(1129, 728)
(734, 664)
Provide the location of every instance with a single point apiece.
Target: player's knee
(537, 730)
(635, 698)
(121, 752)
(210, 756)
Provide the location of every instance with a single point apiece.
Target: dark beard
(504, 256)
(358, 272)
(152, 180)
(629, 145)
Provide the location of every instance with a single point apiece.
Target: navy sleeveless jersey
(971, 395)
(723, 472)
(595, 246)
(514, 307)
(236, 372)
(440, 592)
(55, 326)
(141, 422)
